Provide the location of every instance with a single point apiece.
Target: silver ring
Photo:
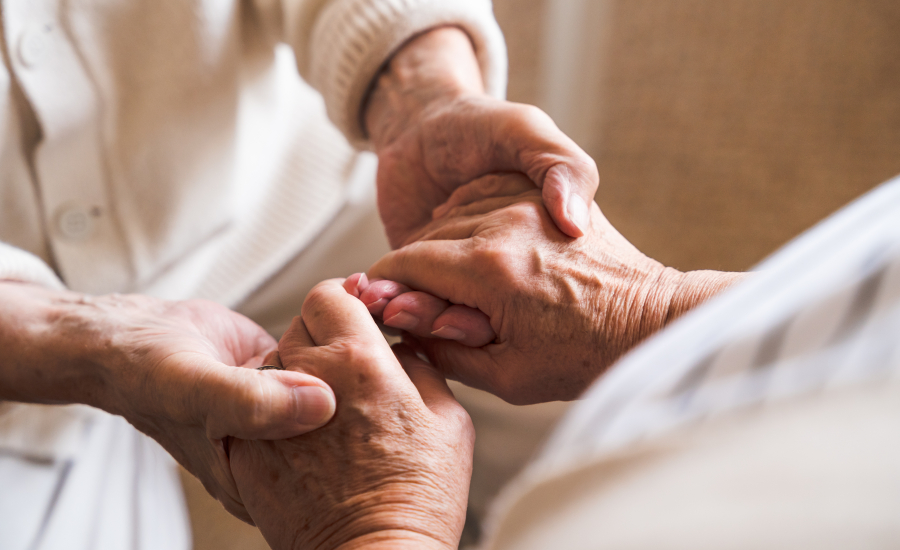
(270, 367)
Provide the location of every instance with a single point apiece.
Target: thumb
(567, 194)
(251, 404)
(567, 175)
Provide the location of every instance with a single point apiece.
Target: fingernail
(403, 320)
(449, 333)
(578, 212)
(376, 303)
(362, 283)
(315, 405)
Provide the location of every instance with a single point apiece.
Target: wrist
(695, 287)
(667, 295)
(396, 540)
(397, 516)
(433, 69)
(50, 355)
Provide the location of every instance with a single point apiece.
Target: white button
(76, 223)
(32, 47)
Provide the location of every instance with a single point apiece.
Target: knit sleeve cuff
(352, 39)
(18, 265)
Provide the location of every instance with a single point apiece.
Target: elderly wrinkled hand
(390, 470)
(560, 310)
(434, 128)
(181, 372)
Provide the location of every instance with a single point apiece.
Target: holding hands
(554, 312)
(391, 470)
(435, 129)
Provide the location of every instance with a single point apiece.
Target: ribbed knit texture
(18, 265)
(352, 39)
(339, 47)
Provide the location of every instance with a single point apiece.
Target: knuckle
(356, 357)
(498, 261)
(460, 419)
(533, 116)
(316, 300)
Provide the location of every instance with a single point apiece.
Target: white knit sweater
(178, 152)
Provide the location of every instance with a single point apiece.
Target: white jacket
(168, 146)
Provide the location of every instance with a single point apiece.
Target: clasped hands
(512, 282)
(535, 316)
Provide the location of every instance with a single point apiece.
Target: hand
(434, 129)
(167, 367)
(398, 307)
(391, 470)
(563, 310)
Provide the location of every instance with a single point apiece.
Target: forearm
(433, 68)
(43, 361)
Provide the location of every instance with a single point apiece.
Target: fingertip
(314, 406)
(578, 214)
(355, 284)
(563, 198)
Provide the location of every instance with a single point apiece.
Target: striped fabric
(823, 313)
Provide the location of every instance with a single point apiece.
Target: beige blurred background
(721, 128)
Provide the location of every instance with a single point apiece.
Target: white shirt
(178, 154)
(171, 148)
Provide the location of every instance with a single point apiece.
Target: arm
(421, 82)
(435, 129)
(391, 470)
(560, 311)
(167, 367)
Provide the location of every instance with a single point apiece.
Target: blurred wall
(721, 128)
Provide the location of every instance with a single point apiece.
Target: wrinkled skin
(562, 309)
(434, 129)
(181, 372)
(390, 470)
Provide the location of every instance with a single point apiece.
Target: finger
(223, 486)
(414, 312)
(468, 326)
(248, 403)
(273, 360)
(474, 367)
(355, 284)
(520, 138)
(444, 269)
(331, 315)
(428, 381)
(377, 295)
(492, 186)
(424, 315)
(567, 176)
(296, 336)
